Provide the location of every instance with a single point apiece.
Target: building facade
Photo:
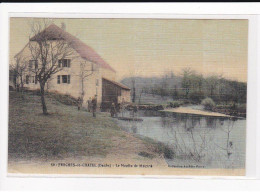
(81, 74)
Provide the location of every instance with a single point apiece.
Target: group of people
(115, 107)
(91, 102)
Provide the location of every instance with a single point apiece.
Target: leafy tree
(186, 80)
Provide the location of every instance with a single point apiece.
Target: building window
(27, 79)
(64, 63)
(58, 79)
(32, 79)
(33, 64)
(65, 79)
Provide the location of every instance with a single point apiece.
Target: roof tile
(53, 32)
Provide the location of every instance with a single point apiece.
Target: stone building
(100, 81)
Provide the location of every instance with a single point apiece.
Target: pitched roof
(53, 32)
(116, 83)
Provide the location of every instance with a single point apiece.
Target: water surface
(209, 142)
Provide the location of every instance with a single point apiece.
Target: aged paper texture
(127, 96)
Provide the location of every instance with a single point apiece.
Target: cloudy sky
(153, 47)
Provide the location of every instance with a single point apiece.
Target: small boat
(129, 119)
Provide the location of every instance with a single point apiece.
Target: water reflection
(215, 142)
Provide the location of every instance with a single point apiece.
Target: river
(206, 141)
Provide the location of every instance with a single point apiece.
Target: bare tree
(133, 86)
(229, 144)
(46, 51)
(191, 143)
(140, 95)
(85, 71)
(19, 68)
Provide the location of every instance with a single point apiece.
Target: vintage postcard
(136, 96)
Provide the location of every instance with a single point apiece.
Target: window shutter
(68, 62)
(59, 63)
(27, 79)
(58, 79)
(68, 79)
(64, 63)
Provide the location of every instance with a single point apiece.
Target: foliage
(167, 152)
(195, 87)
(196, 96)
(176, 104)
(146, 155)
(208, 103)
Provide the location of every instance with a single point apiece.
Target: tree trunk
(21, 84)
(44, 107)
(140, 97)
(133, 94)
(82, 88)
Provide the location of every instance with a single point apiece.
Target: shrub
(208, 104)
(196, 96)
(167, 152)
(174, 104)
(63, 98)
(147, 155)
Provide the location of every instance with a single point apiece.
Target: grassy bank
(238, 110)
(67, 133)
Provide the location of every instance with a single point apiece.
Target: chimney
(63, 26)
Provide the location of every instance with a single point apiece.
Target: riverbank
(189, 110)
(69, 135)
(238, 111)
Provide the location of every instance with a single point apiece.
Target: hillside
(67, 134)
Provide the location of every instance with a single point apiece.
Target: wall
(92, 84)
(125, 94)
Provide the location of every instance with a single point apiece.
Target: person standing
(112, 109)
(89, 104)
(94, 105)
(118, 108)
(79, 102)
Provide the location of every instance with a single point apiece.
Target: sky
(155, 47)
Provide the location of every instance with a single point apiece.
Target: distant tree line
(195, 87)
